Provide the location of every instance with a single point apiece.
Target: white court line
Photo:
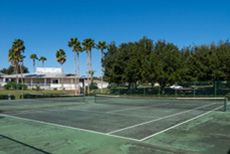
(136, 108)
(147, 122)
(63, 126)
(179, 124)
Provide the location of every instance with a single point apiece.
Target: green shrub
(14, 86)
(37, 87)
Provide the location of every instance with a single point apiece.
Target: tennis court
(135, 119)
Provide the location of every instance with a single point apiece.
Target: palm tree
(15, 54)
(34, 57)
(61, 59)
(13, 58)
(88, 45)
(43, 59)
(76, 48)
(101, 46)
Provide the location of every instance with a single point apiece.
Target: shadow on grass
(27, 145)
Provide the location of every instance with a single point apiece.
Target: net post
(144, 91)
(226, 104)
(16, 91)
(94, 100)
(22, 91)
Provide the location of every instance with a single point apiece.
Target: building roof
(43, 73)
(37, 75)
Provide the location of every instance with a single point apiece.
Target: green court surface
(125, 126)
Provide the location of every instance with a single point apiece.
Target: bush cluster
(14, 86)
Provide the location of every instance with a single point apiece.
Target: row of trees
(16, 57)
(11, 70)
(165, 63)
(34, 58)
(87, 45)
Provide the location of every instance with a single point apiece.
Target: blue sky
(46, 25)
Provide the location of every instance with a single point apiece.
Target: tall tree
(166, 61)
(34, 57)
(15, 54)
(61, 59)
(76, 48)
(113, 64)
(88, 44)
(101, 46)
(43, 59)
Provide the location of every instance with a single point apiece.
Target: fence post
(215, 88)
(159, 91)
(194, 90)
(144, 91)
(84, 100)
(175, 89)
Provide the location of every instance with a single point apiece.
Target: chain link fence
(178, 89)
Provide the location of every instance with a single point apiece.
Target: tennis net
(55, 97)
(206, 103)
(41, 101)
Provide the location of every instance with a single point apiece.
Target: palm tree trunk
(34, 65)
(88, 68)
(43, 64)
(75, 67)
(101, 72)
(62, 77)
(17, 74)
(78, 86)
(21, 73)
(22, 81)
(90, 60)
(91, 66)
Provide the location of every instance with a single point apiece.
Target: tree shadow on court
(24, 144)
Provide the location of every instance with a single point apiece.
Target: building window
(55, 81)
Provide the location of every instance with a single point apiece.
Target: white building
(49, 79)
